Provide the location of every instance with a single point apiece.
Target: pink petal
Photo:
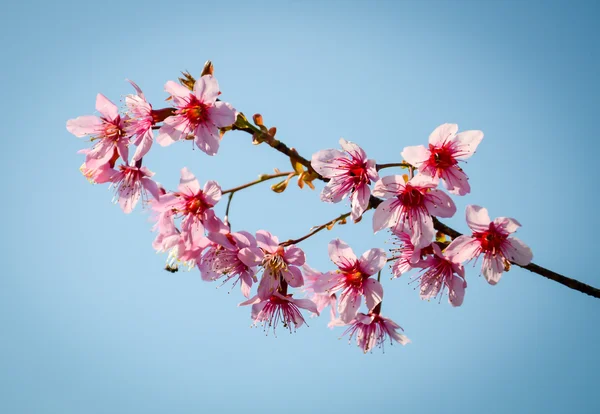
(268, 284)
(468, 142)
(492, 268)
(439, 204)
(137, 89)
(206, 89)
(341, 254)
(252, 301)
(416, 155)
(212, 192)
(456, 181)
(506, 225)
(373, 292)
(244, 239)
(294, 256)
(442, 133)
(188, 183)
(371, 168)
(421, 233)
(516, 251)
(462, 249)
(354, 150)
(293, 276)
(207, 138)
(478, 218)
(108, 109)
(349, 305)
(360, 201)
(323, 162)
(251, 256)
(177, 91)
(387, 214)
(84, 125)
(267, 241)
(456, 291)
(145, 144)
(307, 304)
(372, 261)
(221, 114)
(389, 186)
(151, 187)
(332, 192)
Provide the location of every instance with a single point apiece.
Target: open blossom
(439, 274)
(233, 256)
(278, 263)
(279, 308)
(407, 257)
(490, 239)
(198, 114)
(139, 124)
(409, 206)
(353, 278)
(349, 172)
(108, 130)
(440, 160)
(194, 205)
(132, 183)
(372, 330)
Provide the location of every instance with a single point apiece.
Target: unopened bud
(208, 68)
(258, 119)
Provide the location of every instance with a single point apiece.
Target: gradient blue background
(90, 323)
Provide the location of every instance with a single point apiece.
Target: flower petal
(341, 254)
(478, 218)
(373, 291)
(416, 155)
(442, 134)
(84, 125)
(516, 251)
(372, 261)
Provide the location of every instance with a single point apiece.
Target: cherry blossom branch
(263, 177)
(265, 136)
(315, 230)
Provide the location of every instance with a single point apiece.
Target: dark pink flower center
(491, 240)
(196, 204)
(195, 111)
(354, 277)
(442, 157)
(411, 197)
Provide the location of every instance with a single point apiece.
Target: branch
(438, 225)
(315, 230)
(263, 177)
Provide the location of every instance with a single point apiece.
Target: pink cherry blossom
(131, 183)
(139, 125)
(353, 278)
(98, 175)
(313, 278)
(439, 274)
(198, 114)
(409, 206)
(490, 238)
(406, 257)
(349, 172)
(108, 130)
(279, 308)
(194, 205)
(278, 263)
(440, 160)
(234, 256)
(372, 330)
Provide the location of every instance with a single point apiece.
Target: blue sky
(91, 323)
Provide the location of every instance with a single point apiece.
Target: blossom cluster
(273, 276)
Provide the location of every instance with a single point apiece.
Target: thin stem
(315, 230)
(262, 178)
(227, 209)
(393, 164)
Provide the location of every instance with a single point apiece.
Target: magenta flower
(440, 160)
(109, 130)
(198, 114)
(490, 238)
(440, 273)
(407, 257)
(373, 330)
(279, 308)
(234, 256)
(279, 263)
(349, 172)
(409, 206)
(353, 278)
(139, 124)
(194, 205)
(132, 183)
